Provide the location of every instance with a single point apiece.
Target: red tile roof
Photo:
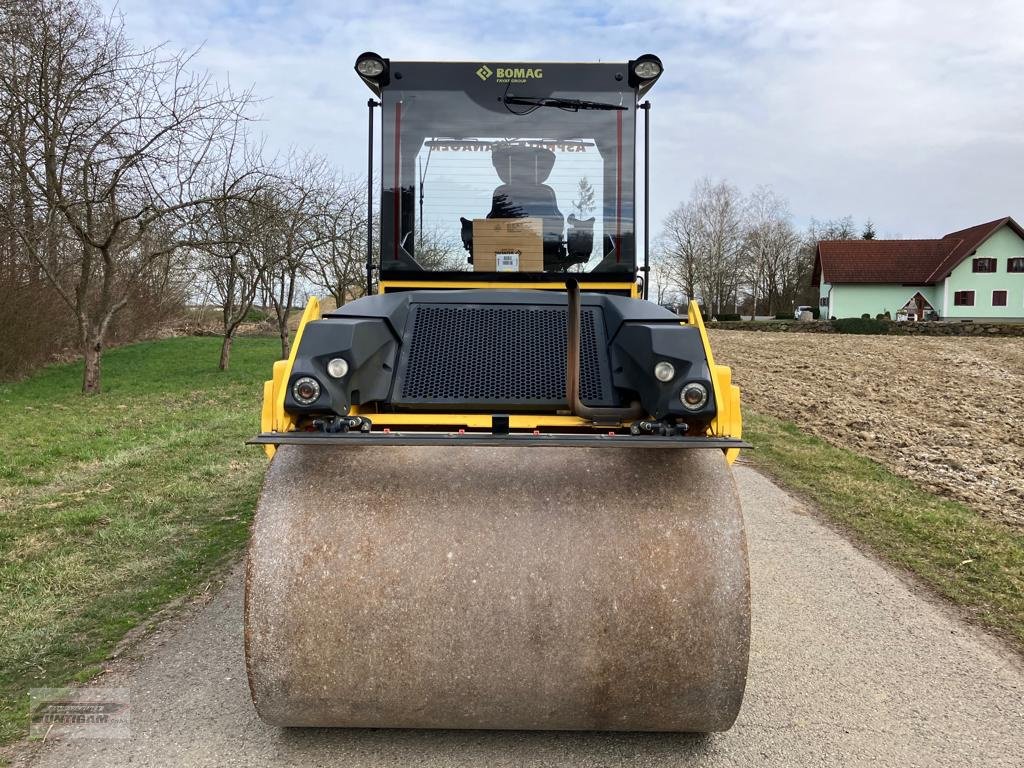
(918, 262)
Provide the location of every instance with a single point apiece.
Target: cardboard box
(508, 245)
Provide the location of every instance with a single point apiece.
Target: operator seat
(525, 195)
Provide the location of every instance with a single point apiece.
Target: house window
(984, 265)
(1015, 265)
(998, 298)
(963, 298)
(823, 302)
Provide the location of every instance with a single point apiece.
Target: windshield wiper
(572, 105)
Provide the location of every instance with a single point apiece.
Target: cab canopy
(504, 167)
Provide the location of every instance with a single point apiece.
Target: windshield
(507, 177)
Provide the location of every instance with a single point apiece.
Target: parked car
(800, 310)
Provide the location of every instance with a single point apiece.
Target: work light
(664, 371)
(370, 67)
(643, 71)
(374, 69)
(646, 70)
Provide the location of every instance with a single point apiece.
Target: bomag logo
(510, 74)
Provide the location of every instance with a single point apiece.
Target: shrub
(784, 316)
(862, 325)
(723, 317)
(866, 316)
(255, 315)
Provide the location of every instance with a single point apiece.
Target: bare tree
(664, 283)
(680, 246)
(703, 240)
(771, 244)
(439, 250)
(234, 238)
(339, 264)
(834, 229)
(116, 140)
(296, 205)
(829, 229)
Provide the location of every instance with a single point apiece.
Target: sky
(907, 113)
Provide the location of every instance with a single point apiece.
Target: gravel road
(850, 666)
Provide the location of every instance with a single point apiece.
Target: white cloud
(907, 112)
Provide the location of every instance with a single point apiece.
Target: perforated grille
(497, 354)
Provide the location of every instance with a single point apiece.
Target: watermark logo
(484, 72)
(79, 713)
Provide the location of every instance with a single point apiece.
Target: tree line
(740, 253)
(132, 183)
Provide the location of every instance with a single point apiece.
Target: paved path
(849, 666)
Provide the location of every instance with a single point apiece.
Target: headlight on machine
(306, 390)
(694, 396)
(337, 367)
(664, 371)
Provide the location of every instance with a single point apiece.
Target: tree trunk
(93, 355)
(286, 344)
(225, 351)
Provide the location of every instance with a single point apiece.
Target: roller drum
(524, 588)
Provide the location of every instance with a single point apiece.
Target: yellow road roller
(500, 492)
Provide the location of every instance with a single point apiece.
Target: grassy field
(112, 506)
(976, 562)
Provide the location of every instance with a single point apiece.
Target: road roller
(500, 491)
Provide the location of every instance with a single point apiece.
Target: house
(974, 274)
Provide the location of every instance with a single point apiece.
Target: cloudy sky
(910, 113)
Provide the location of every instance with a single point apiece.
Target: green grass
(113, 505)
(975, 562)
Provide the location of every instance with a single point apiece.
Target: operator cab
(503, 172)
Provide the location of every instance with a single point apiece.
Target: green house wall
(856, 299)
(1002, 246)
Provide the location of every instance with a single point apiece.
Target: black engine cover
(495, 351)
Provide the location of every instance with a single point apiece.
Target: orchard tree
(113, 144)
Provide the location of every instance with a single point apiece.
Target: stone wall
(934, 328)
(785, 326)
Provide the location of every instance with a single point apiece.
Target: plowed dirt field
(947, 413)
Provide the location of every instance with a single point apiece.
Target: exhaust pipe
(572, 369)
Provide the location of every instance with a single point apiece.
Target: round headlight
(664, 371)
(647, 70)
(370, 67)
(693, 396)
(337, 367)
(306, 390)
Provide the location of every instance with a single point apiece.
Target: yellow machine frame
(727, 423)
